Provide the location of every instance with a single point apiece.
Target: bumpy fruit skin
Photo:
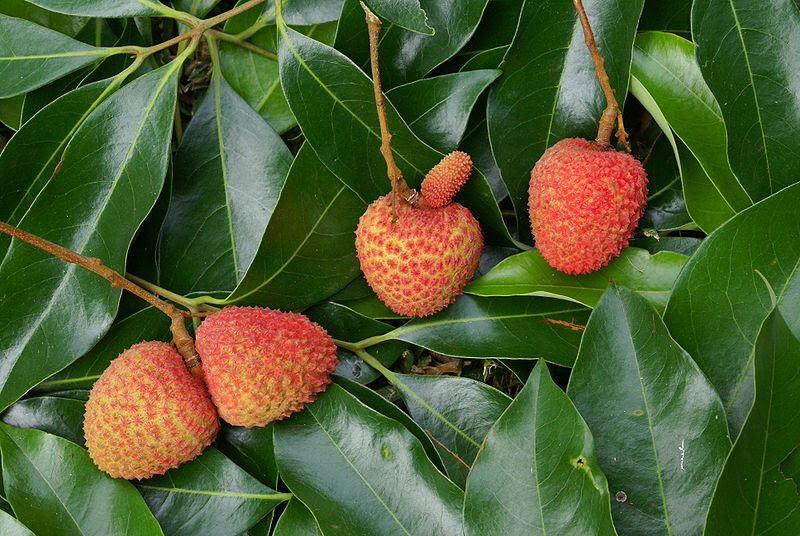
(146, 413)
(584, 204)
(263, 365)
(446, 178)
(418, 264)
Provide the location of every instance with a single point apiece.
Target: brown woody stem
(401, 193)
(180, 335)
(612, 112)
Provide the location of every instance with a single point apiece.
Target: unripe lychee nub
(445, 179)
(418, 263)
(263, 365)
(584, 204)
(147, 413)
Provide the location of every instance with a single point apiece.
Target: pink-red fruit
(418, 263)
(445, 179)
(146, 413)
(584, 204)
(263, 365)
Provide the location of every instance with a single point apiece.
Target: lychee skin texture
(262, 365)
(419, 263)
(446, 178)
(147, 413)
(584, 204)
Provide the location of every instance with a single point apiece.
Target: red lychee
(446, 178)
(147, 413)
(263, 365)
(584, 204)
(418, 262)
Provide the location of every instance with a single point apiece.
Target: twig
(222, 36)
(400, 190)
(612, 112)
(180, 335)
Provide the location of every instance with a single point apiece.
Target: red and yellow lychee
(445, 179)
(262, 365)
(147, 413)
(584, 203)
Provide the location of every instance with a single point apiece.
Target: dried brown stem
(450, 452)
(612, 112)
(180, 335)
(400, 191)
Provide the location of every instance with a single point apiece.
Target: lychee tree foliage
(222, 153)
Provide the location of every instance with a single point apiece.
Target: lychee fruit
(263, 365)
(446, 178)
(147, 413)
(584, 203)
(418, 261)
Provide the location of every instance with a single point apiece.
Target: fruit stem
(400, 190)
(180, 335)
(197, 308)
(612, 112)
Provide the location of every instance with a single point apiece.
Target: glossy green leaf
(305, 12)
(405, 14)
(55, 415)
(497, 27)
(251, 449)
(361, 473)
(209, 495)
(31, 156)
(198, 8)
(457, 413)
(537, 472)
(506, 327)
(437, 109)
(685, 245)
(528, 274)
(104, 8)
(11, 111)
(658, 424)
(228, 173)
(665, 208)
(748, 53)
(123, 148)
(24, 9)
(720, 298)
(548, 90)
(790, 467)
(31, 56)
(308, 250)
(476, 144)
(319, 82)
(11, 527)
(667, 16)
(753, 495)
(40, 472)
(296, 520)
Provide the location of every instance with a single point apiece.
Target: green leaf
(308, 251)
(665, 208)
(476, 144)
(31, 56)
(105, 8)
(209, 495)
(406, 56)
(252, 450)
(11, 111)
(40, 473)
(123, 148)
(361, 473)
(228, 173)
(55, 415)
(667, 16)
(749, 57)
(720, 298)
(405, 14)
(319, 82)
(528, 274)
(11, 527)
(198, 8)
(753, 495)
(24, 9)
(306, 12)
(539, 465)
(29, 160)
(548, 90)
(437, 109)
(658, 424)
(457, 413)
(507, 327)
(296, 520)
(665, 66)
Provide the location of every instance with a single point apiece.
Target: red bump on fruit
(263, 365)
(147, 413)
(446, 178)
(584, 204)
(418, 263)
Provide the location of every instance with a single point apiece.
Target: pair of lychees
(148, 413)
